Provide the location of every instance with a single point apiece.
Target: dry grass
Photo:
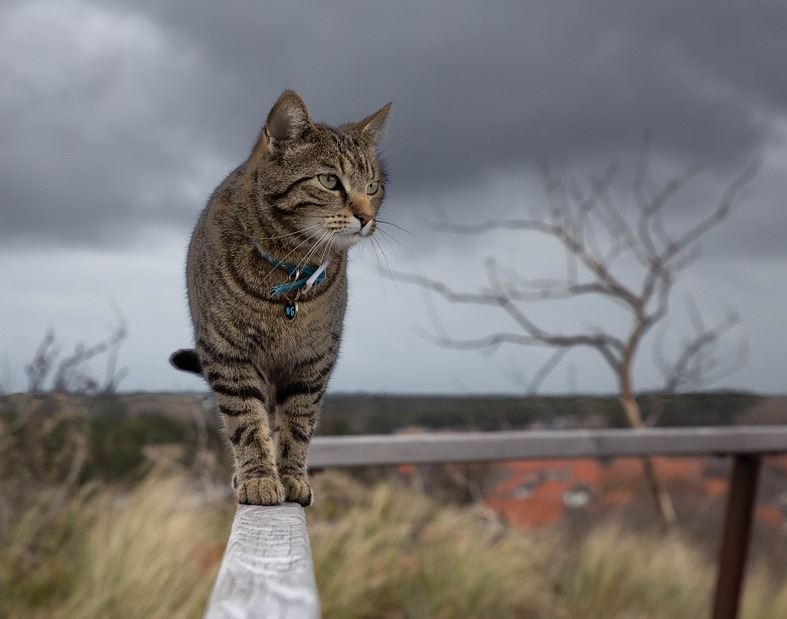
(150, 553)
(392, 553)
(383, 552)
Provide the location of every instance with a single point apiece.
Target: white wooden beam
(267, 570)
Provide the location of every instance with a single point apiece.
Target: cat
(267, 287)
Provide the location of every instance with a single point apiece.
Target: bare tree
(596, 236)
(69, 374)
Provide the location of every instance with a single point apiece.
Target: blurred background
(558, 156)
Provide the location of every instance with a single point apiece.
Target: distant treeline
(383, 414)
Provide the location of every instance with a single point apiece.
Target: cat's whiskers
(281, 260)
(380, 271)
(325, 237)
(390, 276)
(393, 238)
(385, 257)
(377, 257)
(397, 226)
(327, 246)
(281, 236)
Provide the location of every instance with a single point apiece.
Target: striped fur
(266, 372)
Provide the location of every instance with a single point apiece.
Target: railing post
(736, 535)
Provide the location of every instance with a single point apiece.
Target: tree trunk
(663, 500)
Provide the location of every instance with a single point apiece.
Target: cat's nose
(361, 208)
(364, 218)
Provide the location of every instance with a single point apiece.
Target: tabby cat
(267, 288)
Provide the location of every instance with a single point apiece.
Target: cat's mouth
(350, 236)
(358, 230)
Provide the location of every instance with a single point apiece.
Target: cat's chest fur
(316, 328)
(232, 289)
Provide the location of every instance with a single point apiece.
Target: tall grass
(151, 552)
(380, 552)
(391, 553)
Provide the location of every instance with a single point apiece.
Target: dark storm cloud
(134, 136)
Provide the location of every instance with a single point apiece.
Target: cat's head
(326, 183)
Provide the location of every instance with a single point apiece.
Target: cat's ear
(287, 121)
(373, 126)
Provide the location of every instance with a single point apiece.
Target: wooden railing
(267, 569)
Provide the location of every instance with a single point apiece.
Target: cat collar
(305, 276)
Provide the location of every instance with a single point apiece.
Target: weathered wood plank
(349, 451)
(267, 569)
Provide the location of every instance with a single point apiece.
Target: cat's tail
(186, 359)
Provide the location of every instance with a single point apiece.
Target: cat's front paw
(297, 490)
(260, 491)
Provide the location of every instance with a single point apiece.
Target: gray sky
(118, 118)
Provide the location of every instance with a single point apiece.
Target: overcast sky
(118, 118)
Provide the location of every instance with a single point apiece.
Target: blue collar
(301, 274)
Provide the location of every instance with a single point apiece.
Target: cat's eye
(373, 187)
(329, 181)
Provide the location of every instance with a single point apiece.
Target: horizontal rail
(267, 569)
(435, 448)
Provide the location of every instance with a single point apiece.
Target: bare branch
(113, 377)
(443, 290)
(68, 374)
(720, 372)
(659, 353)
(689, 370)
(722, 210)
(492, 225)
(601, 342)
(612, 223)
(651, 207)
(545, 370)
(552, 294)
(620, 229)
(518, 288)
(69, 377)
(686, 260)
(43, 361)
(574, 247)
(489, 342)
(681, 368)
(641, 176)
